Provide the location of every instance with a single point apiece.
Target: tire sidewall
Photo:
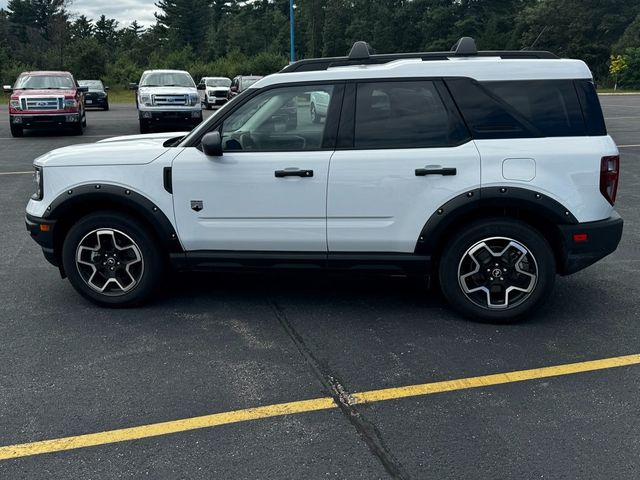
(516, 230)
(153, 263)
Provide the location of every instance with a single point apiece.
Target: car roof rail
(362, 54)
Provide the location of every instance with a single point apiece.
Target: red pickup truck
(46, 99)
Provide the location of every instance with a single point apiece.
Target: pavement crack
(344, 400)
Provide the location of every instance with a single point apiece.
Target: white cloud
(124, 11)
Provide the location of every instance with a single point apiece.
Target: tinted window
(519, 109)
(591, 109)
(551, 105)
(404, 115)
(280, 119)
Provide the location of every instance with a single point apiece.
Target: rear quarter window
(519, 109)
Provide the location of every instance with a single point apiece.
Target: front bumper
(170, 117)
(211, 100)
(586, 243)
(41, 230)
(45, 119)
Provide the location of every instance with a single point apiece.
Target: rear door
(403, 151)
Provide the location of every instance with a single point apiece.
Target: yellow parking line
(323, 403)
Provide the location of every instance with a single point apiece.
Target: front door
(268, 191)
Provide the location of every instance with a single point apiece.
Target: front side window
(404, 115)
(277, 120)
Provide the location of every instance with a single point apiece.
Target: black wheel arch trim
(505, 199)
(78, 197)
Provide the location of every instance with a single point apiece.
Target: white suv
(167, 98)
(214, 91)
(491, 171)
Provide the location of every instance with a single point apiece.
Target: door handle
(294, 173)
(421, 172)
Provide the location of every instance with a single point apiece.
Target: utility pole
(292, 35)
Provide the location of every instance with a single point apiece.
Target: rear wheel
(16, 130)
(497, 270)
(112, 260)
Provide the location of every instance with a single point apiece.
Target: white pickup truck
(167, 98)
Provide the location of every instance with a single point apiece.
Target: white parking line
(16, 173)
(629, 146)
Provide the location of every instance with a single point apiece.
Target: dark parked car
(97, 95)
(240, 84)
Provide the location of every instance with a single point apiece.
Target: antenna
(536, 40)
(360, 51)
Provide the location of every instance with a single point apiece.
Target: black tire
(16, 130)
(206, 103)
(466, 257)
(144, 128)
(106, 107)
(145, 273)
(84, 118)
(78, 128)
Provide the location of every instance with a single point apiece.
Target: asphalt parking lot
(219, 344)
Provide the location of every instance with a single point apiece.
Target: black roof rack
(362, 54)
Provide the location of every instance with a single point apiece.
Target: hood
(44, 93)
(128, 150)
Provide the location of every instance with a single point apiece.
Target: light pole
(292, 35)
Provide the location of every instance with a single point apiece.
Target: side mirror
(83, 89)
(7, 88)
(106, 88)
(201, 86)
(233, 88)
(133, 86)
(212, 144)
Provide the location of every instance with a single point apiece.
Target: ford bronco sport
(490, 171)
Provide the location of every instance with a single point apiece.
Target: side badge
(196, 205)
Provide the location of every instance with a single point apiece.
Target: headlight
(145, 99)
(15, 104)
(211, 92)
(195, 99)
(72, 103)
(37, 179)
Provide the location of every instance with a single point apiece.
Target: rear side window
(591, 109)
(405, 115)
(519, 109)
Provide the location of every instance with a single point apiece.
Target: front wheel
(497, 270)
(16, 130)
(144, 128)
(315, 118)
(112, 260)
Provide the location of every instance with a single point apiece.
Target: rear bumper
(42, 238)
(602, 238)
(45, 120)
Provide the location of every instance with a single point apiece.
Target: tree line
(229, 37)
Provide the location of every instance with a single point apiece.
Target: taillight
(609, 174)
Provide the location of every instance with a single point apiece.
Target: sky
(125, 11)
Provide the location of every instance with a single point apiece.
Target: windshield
(167, 79)
(92, 84)
(218, 82)
(248, 81)
(44, 82)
